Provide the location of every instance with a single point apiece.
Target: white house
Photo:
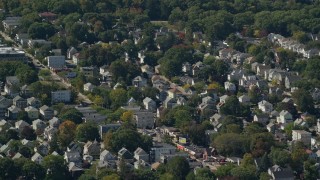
(56, 62)
(284, 117)
(229, 86)
(149, 104)
(37, 158)
(88, 87)
(244, 99)
(265, 106)
(301, 135)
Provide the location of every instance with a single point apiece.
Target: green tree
(182, 118)
(279, 157)
(303, 100)
(179, 167)
(231, 144)
(118, 97)
(41, 30)
(87, 132)
(204, 174)
(310, 170)
(32, 170)
(7, 169)
(56, 166)
(224, 170)
(73, 115)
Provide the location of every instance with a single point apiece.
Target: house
(107, 160)
(20, 125)
(149, 104)
(92, 149)
(106, 127)
(279, 173)
(174, 92)
(77, 58)
(12, 86)
(290, 80)
(54, 122)
(26, 91)
(161, 148)
(11, 24)
(33, 42)
(19, 102)
(71, 52)
(74, 147)
(265, 106)
(261, 118)
(141, 56)
(34, 102)
(50, 132)
(223, 98)
(235, 75)
(56, 62)
(140, 154)
(38, 125)
(284, 117)
(13, 112)
(144, 119)
(261, 69)
(42, 148)
(124, 154)
(275, 91)
(88, 87)
(91, 71)
(61, 96)
(315, 93)
(48, 16)
(72, 157)
(32, 112)
(106, 155)
(186, 67)
(27, 143)
(139, 81)
(37, 158)
(228, 86)
(245, 99)
(302, 136)
(5, 103)
(46, 112)
(197, 67)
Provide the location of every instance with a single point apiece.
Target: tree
(231, 144)
(73, 115)
(279, 157)
(7, 169)
(28, 133)
(41, 30)
(310, 170)
(303, 100)
(118, 97)
(244, 172)
(224, 170)
(128, 138)
(204, 174)
(231, 107)
(66, 133)
(32, 170)
(111, 177)
(182, 118)
(127, 116)
(178, 166)
(87, 132)
(55, 164)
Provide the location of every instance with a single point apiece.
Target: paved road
(38, 65)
